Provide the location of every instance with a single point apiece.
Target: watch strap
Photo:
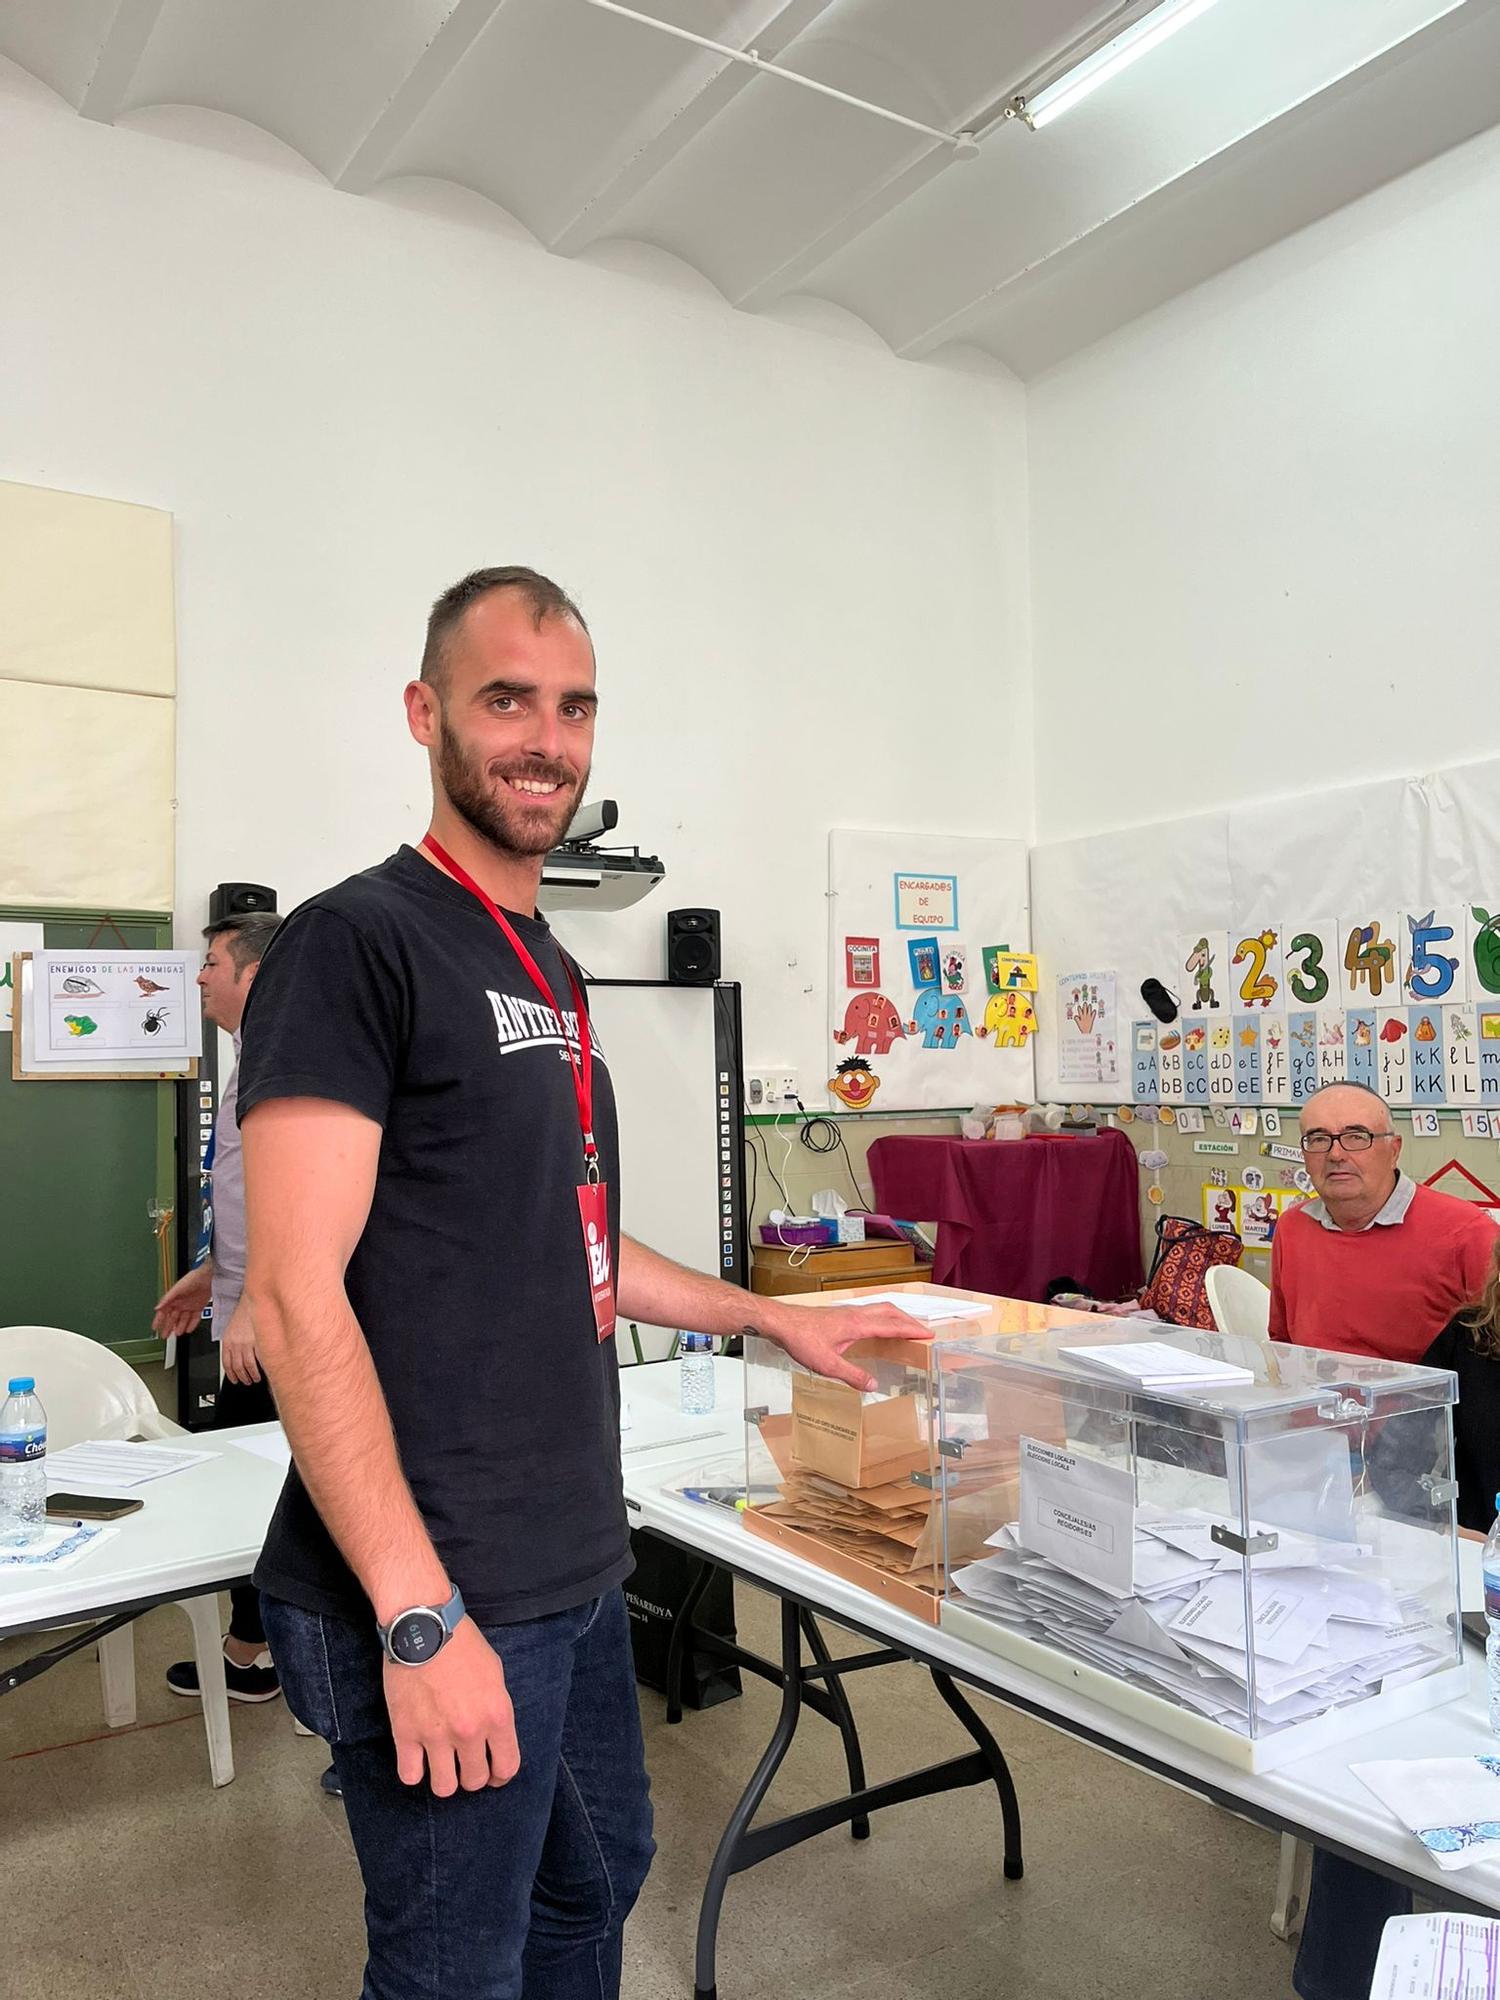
(449, 1614)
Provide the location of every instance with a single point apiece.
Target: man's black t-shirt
(398, 994)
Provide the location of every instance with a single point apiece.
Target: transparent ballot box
(853, 1481)
(1247, 1545)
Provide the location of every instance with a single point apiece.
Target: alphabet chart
(1416, 1055)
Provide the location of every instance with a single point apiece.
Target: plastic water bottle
(1492, 1619)
(23, 1466)
(696, 1379)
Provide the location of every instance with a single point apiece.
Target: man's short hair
(1365, 1090)
(248, 933)
(544, 599)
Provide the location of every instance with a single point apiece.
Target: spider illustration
(155, 1020)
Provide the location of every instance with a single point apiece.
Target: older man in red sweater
(1376, 1264)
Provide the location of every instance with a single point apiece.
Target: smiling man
(1376, 1264)
(435, 1266)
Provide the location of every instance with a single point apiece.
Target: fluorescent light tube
(1149, 32)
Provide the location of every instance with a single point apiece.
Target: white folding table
(1316, 1799)
(199, 1532)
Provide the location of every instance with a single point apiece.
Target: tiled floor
(125, 1876)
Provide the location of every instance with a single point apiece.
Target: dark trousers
(1347, 1908)
(518, 1892)
(244, 1403)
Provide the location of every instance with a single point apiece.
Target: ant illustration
(155, 1021)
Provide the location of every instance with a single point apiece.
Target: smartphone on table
(89, 1507)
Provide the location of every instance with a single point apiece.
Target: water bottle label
(16, 1447)
(1491, 1596)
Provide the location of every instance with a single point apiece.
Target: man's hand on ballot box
(817, 1336)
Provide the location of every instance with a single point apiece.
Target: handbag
(1185, 1253)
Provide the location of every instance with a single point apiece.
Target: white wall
(1265, 520)
(804, 562)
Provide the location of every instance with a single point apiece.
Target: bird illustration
(148, 986)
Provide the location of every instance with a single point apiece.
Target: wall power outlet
(771, 1090)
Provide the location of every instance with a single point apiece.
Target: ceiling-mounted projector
(580, 875)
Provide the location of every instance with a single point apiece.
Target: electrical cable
(827, 1144)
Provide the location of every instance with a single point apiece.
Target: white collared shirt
(1390, 1215)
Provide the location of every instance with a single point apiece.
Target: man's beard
(506, 824)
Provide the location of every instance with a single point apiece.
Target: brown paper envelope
(834, 1432)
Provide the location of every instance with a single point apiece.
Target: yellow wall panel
(86, 797)
(85, 592)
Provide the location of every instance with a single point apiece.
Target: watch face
(416, 1636)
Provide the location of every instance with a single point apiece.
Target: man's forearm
(653, 1288)
(330, 1402)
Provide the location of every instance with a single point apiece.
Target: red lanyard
(581, 1064)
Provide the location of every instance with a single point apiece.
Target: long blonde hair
(1483, 1318)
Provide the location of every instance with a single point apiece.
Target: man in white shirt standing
(230, 964)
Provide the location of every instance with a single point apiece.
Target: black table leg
(27, 1670)
(853, 1756)
(705, 1985)
(994, 1757)
(744, 1844)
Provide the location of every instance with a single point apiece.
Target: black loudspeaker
(692, 947)
(239, 899)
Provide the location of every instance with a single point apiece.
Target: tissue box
(851, 1229)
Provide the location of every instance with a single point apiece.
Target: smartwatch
(414, 1637)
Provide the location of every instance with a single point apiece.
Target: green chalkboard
(79, 1162)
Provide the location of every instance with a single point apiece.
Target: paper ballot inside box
(858, 1443)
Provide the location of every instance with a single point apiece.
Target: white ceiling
(594, 131)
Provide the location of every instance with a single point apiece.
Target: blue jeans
(518, 1892)
(1347, 1908)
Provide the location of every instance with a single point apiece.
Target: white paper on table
(921, 1305)
(1287, 1621)
(270, 1444)
(655, 1426)
(1158, 1364)
(1451, 1804)
(106, 1467)
(63, 1543)
(1438, 1957)
(1080, 1514)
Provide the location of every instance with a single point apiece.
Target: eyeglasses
(1353, 1140)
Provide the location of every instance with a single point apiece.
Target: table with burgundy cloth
(1013, 1215)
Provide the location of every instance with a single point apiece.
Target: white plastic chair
(89, 1392)
(1238, 1302)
